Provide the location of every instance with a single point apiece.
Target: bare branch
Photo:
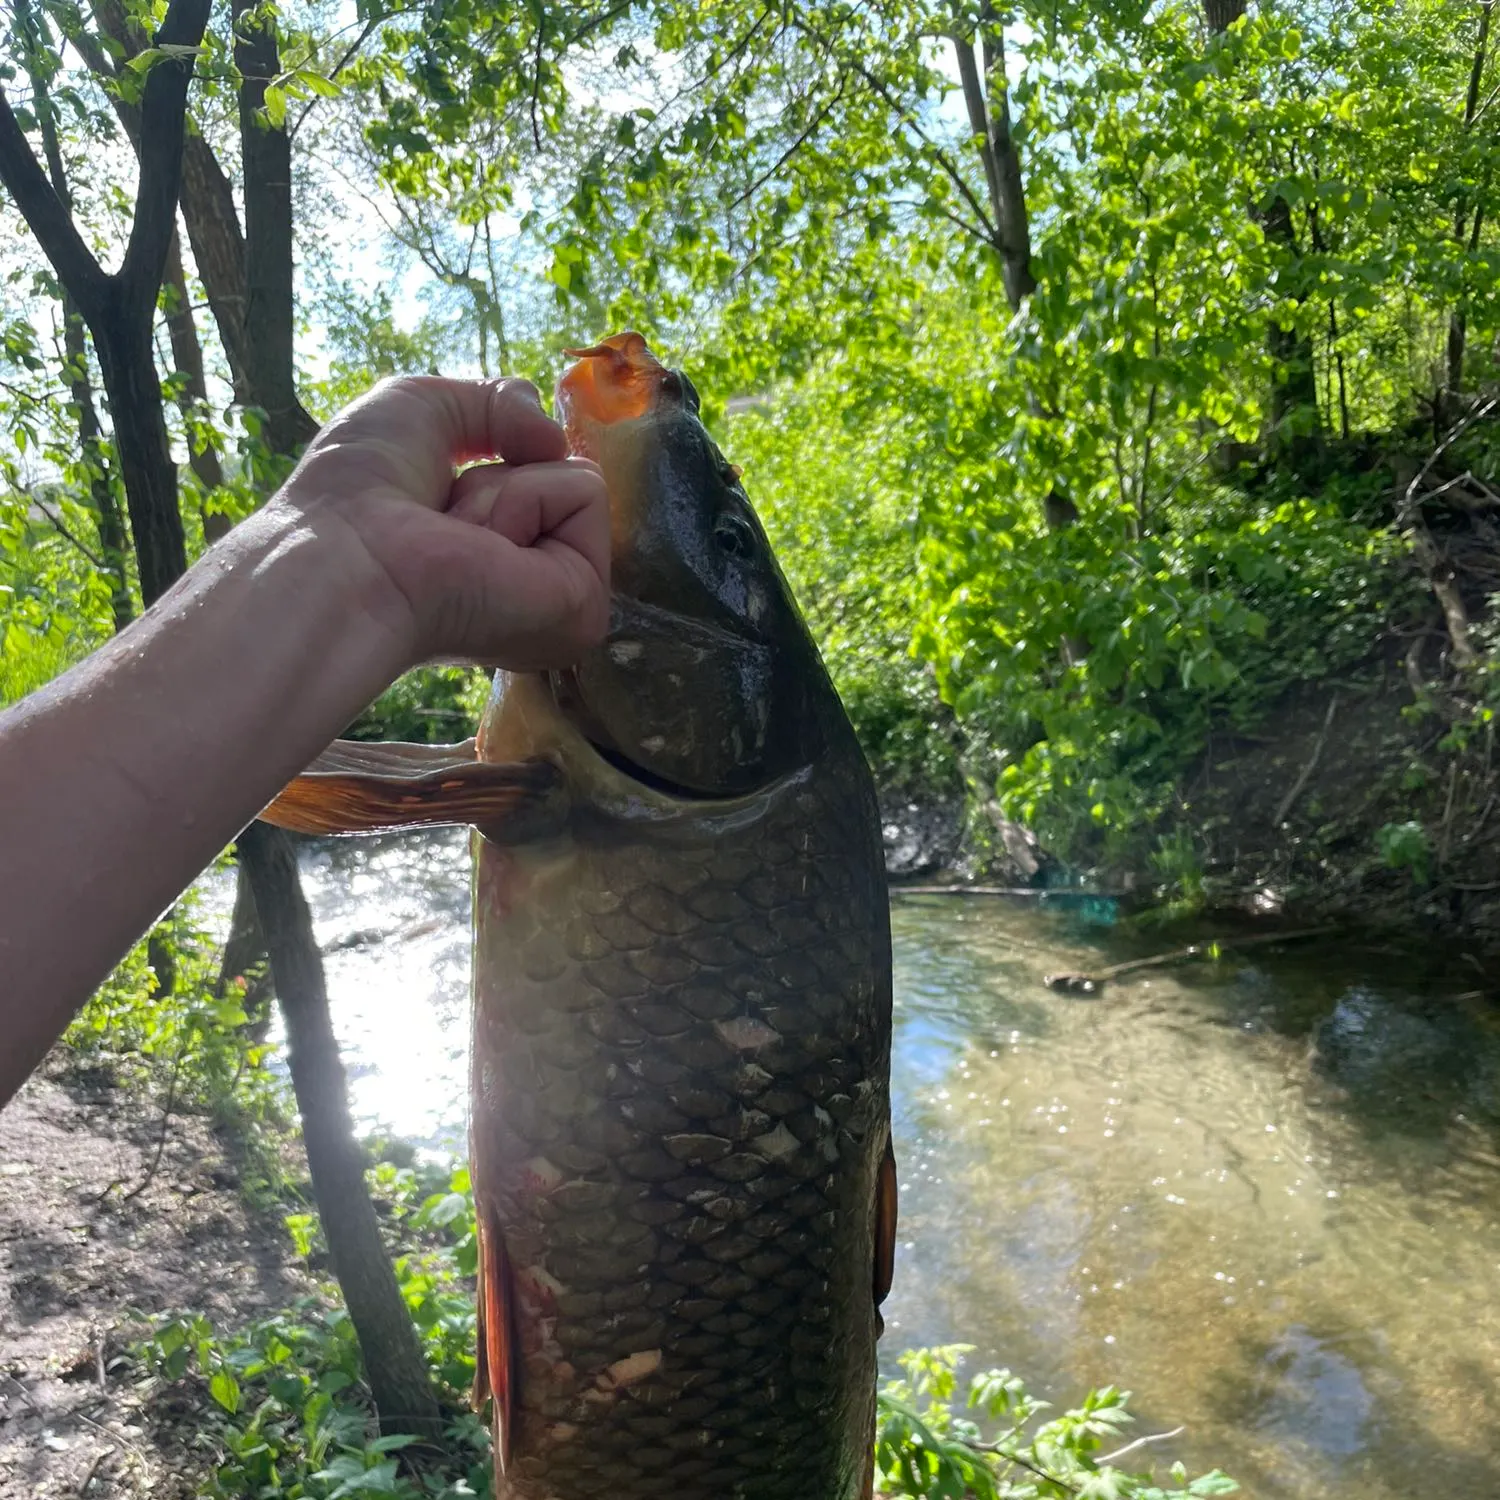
(790, 151)
(1140, 1442)
(48, 217)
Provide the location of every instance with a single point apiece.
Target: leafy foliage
(927, 1450)
(287, 1410)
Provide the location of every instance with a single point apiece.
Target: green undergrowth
(999, 1443)
(281, 1406)
(164, 1025)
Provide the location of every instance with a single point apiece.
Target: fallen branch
(88, 1478)
(1034, 892)
(1409, 499)
(166, 1120)
(1438, 569)
(1307, 770)
(161, 1134)
(1091, 984)
(1140, 1442)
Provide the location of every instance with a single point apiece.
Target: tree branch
(979, 125)
(1140, 1442)
(68, 536)
(50, 221)
(163, 121)
(790, 151)
(1010, 210)
(938, 155)
(338, 67)
(1476, 72)
(101, 65)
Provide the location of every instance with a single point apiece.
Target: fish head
(702, 686)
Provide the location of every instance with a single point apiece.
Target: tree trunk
(114, 545)
(244, 958)
(987, 101)
(192, 399)
(128, 363)
(1222, 14)
(208, 206)
(119, 310)
(108, 521)
(213, 228)
(266, 158)
(1458, 322)
(1294, 378)
(393, 1360)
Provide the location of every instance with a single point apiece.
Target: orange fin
(354, 787)
(885, 1226)
(495, 1360)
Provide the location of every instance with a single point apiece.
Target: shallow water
(1264, 1195)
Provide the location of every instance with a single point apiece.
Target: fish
(680, 1128)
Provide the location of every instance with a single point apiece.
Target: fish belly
(680, 1102)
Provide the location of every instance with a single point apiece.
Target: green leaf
(316, 83)
(225, 1389)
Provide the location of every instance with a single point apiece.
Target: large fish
(682, 1005)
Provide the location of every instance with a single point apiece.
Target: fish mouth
(645, 777)
(572, 706)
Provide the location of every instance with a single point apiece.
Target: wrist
(313, 613)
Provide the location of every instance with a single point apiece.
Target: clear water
(1264, 1195)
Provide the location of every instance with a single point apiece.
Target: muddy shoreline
(95, 1247)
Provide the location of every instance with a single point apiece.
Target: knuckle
(404, 386)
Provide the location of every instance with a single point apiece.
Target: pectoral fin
(354, 787)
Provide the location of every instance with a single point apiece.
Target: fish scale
(712, 1055)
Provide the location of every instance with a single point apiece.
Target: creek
(1262, 1194)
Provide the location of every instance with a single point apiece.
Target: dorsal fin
(359, 787)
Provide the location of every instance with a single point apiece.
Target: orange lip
(615, 380)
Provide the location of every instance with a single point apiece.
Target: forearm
(150, 756)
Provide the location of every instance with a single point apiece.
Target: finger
(523, 608)
(483, 418)
(512, 500)
(411, 431)
(564, 503)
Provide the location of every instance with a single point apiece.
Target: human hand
(507, 563)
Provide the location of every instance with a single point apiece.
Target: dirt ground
(1291, 817)
(79, 1272)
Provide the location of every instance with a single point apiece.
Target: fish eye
(734, 536)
